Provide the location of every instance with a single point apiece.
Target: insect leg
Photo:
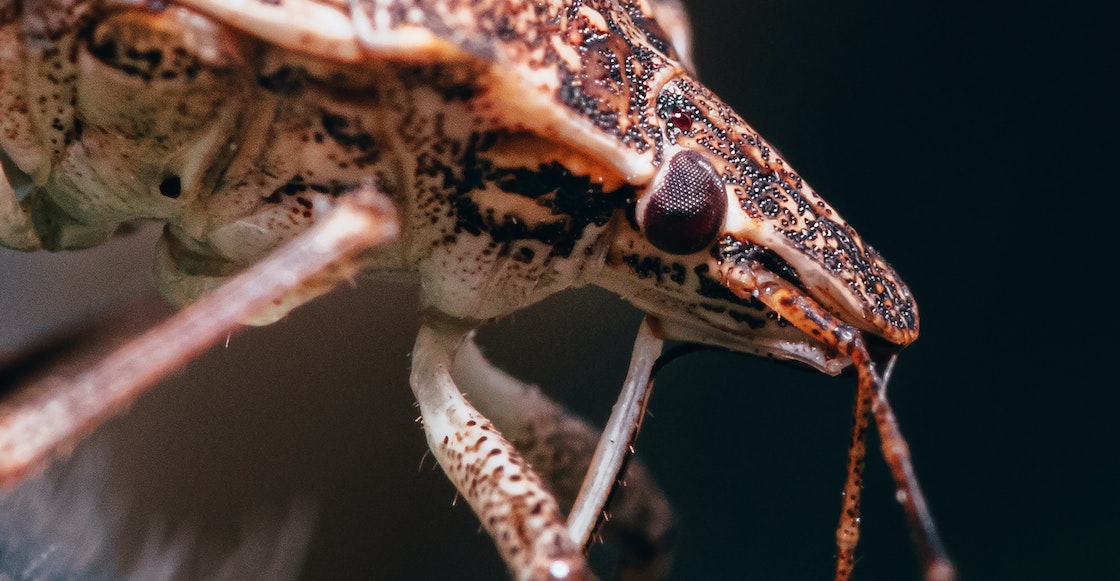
(521, 515)
(615, 444)
(934, 557)
(16, 230)
(804, 313)
(560, 446)
(40, 421)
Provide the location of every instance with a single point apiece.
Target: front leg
(44, 419)
(520, 514)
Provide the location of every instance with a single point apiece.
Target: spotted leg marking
(560, 446)
(752, 279)
(521, 515)
(40, 421)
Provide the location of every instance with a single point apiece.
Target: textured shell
(603, 76)
(515, 138)
(585, 73)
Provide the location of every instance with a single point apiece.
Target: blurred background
(962, 140)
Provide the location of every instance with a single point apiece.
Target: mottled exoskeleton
(496, 151)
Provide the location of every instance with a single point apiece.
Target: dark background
(966, 142)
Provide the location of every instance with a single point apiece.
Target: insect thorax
(239, 146)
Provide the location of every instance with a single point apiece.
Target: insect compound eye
(686, 205)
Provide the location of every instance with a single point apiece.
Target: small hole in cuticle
(171, 187)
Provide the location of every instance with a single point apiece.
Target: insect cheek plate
(685, 207)
(157, 98)
(136, 65)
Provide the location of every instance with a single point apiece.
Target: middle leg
(509, 497)
(560, 447)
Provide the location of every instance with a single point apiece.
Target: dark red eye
(686, 206)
